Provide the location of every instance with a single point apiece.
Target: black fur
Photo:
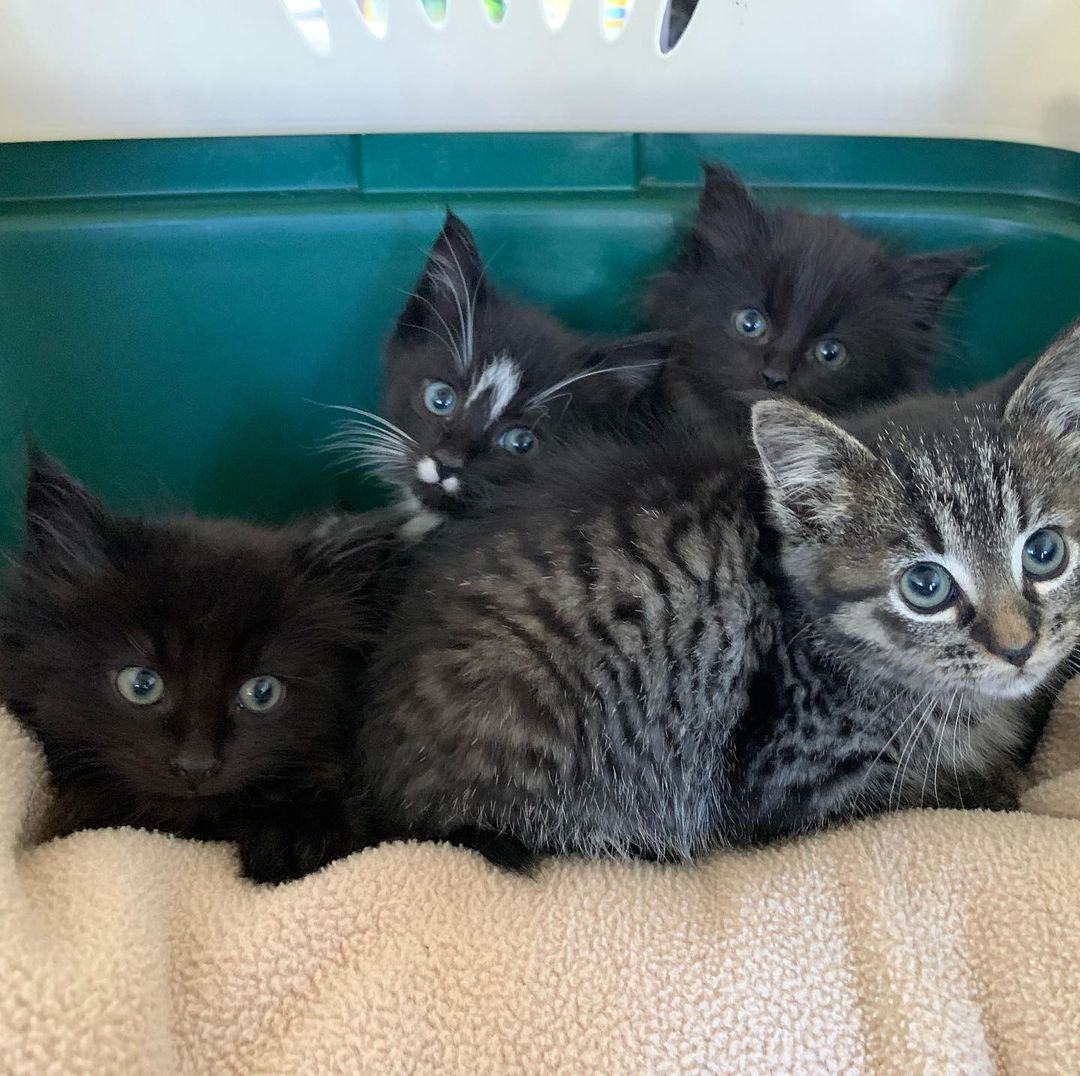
(208, 605)
(814, 278)
(509, 366)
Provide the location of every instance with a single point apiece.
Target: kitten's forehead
(965, 492)
(493, 387)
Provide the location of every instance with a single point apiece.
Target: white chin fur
(1007, 687)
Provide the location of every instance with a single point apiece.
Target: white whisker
(545, 395)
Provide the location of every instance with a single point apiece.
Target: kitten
(654, 649)
(477, 385)
(793, 303)
(197, 677)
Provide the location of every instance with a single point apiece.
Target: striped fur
(650, 651)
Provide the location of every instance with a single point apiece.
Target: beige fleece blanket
(930, 941)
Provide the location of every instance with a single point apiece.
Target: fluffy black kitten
(197, 677)
(476, 384)
(793, 303)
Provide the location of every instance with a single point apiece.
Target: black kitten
(192, 676)
(795, 303)
(475, 383)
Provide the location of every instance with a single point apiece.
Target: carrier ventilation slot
(614, 17)
(555, 12)
(310, 19)
(373, 12)
(677, 16)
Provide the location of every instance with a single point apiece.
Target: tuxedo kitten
(654, 649)
(793, 303)
(193, 676)
(476, 385)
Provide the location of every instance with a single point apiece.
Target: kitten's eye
(750, 322)
(830, 352)
(439, 398)
(141, 686)
(1044, 555)
(519, 440)
(261, 693)
(927, 587)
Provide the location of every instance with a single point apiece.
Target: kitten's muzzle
(773, 379)
(1010, 634)
(194, 769)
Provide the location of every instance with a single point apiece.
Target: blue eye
(927, 587)
(439, 398)
(750, 322)
(830, 352)
(140, 686)
(519, 440)
(1044, 555)
(261, 693)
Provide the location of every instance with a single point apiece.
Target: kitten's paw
(499, 849)
(275, 854)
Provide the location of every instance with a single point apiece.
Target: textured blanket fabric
(928, 941)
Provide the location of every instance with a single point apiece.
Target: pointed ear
(613, 374)
(1049, 395)
(725, 210)
(65, 523)
(724, 194)
(450, 287)
(814, 471)
(927, 279)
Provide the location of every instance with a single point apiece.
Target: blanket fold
(926, 941)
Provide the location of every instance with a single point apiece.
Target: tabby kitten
(192, 676)
(476, 383)
(793, 303)
(653, 650)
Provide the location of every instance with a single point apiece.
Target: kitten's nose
(1011, 634)
(774, 380)
(1018, 655)
(448, 461)
(194, 768)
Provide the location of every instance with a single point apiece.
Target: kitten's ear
(64, 521)
(612, 375)
(1050, 393)
(723, 193)
(928, 279)
(814, 471)
(726, 211)
(450, 287)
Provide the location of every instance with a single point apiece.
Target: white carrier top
(995, 69)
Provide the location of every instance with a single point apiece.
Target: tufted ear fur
(450, 287)
(927, 279)
(814, 471)
(1049, 395)
(66, 526)
(726, 213)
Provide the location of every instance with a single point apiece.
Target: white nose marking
(427, 471)
(451, 484)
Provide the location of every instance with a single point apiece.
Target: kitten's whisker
(899, 728)
(448, 340)
(467, 316)
(544, 396)
(452, 343)
(370, 415)
(431, 332)
(906, 755)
